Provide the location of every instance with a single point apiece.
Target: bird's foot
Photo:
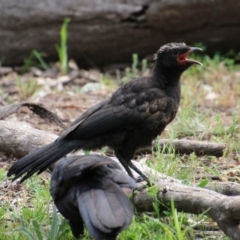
(140, 179)
(140, 187)
(141, 175)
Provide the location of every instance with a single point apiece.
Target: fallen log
(225, 188)
(18, 138)
(224, 210)
(185, 146)
(123, 27)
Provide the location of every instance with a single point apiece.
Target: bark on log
(184, 146)
(105, 31)
(19, 138)
(225, 188)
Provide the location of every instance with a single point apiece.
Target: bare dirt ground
(66, 96)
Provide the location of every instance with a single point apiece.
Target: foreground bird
(90, 191)
(130, 119)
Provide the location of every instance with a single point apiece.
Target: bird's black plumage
(130, 119)
(90, 191)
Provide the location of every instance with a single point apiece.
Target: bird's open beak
(192, 49)
(183, 57)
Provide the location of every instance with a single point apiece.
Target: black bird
(91, 191)
(130, 119)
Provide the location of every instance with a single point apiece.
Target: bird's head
(175, 55)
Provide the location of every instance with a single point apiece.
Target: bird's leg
(125, 165)
(129, 172)
(143, 176)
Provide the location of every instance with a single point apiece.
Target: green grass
(62, 48)
(150, 226)
(216, 120)
(134, 71)
(34, 218)
(27, 88)
(35, 59)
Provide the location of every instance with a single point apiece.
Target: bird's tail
(40, 159)
(105, 212)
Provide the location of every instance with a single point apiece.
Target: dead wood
(185, 146)
(42, 112)
(222, 209)
(99, 28)
(225, 188)
(19, 138)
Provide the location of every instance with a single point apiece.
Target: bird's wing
(128, 111)
(77, 166)
(56, 178)
(146, 109)
(94, 122)
(122, 179)
(89, 112)
(65, 199)
(82, 165)
(73, 167)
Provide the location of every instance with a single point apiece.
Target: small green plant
(190, 122)
(178, 222)
(35, 232)
(152, 192)
(27, 88)
(165, 163)
(203, 183)
(35, 60)
(108, 82)
(2, 59)
(230, 130)
(174, 230)
(62, 48)
(2, 174)
(134, 72)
